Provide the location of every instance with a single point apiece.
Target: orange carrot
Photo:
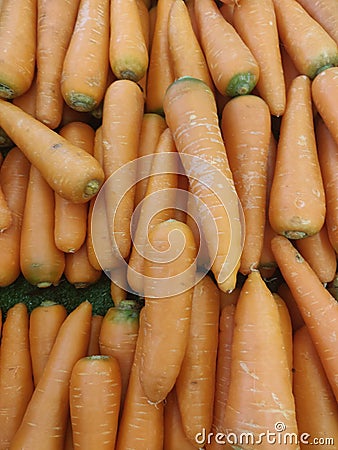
(297, 200)
(69, 170)
(93, 345)
(18, 46)
(310, 47)
(255, 21)
(191, 114)
(296, 318)
(44, 324)
(6, 216)
(16, 383)
(78, 270)
(118, 284)
(27, 101)
(195, 384)
(70, 226)
(14, 174)
(233, 67)
(246, 130)
(83, 84)
(94, 401)
(286, 328)
(44, 423)
(145, 26)
(55, 24)
(41, 262)
(289, 69)
(317, 306)
(260, 391)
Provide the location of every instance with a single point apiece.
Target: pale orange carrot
(93, 345)
(78, 269)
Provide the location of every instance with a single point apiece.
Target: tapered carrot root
(95, 328)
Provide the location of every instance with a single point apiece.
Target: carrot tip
(321, 69)
(6, 92)
(294, 234)
(129, 75)
(92, 188)
(241, 84)
(44, 284)
(81, 102)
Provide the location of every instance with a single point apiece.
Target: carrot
(55, 24)
(14, 174)
(6, 216)
(70, 226)
(121, 125)
(286, 328)
(44, 323)
(170, 269)
(296, 318)
(310, 47)
(233, 67)
(191, 114)
(118, 284)
(317, 306)
(16, 385)
(78, 270)
(145, 26)
(260, 391)
(160, 68)
(325, 12)
(41, 262)
(141, 425)
(230, 298)
(195, 384)
(328, 160)
(227, 9)
(70, 171)
(185, 51)
(68, 444)
(255, 21)
(45, 420)
(246, 130)
(94, 400)
(324, 91)
(118, 335)
(27, 100)
(128, 53)
(18, 47)
(93, 345)
(297, 200)
(83, 85)
(289, 69)
(313, 393)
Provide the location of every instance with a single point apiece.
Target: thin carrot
(55, 24)
(313, 393)
(69, 170)
(16, 383)
(324, 90)
(310, 47)
(119, 287)
(44, 323)
(145, 25)
(227, 9)
(44, 423)
(14, 174)
(317, 306)
(83, 85)
(246, 130)
(297, 199)
(93, 345)
(191, 114)
(6, 216)
(260, 390)
(70, 227)
(296, 318)
(78, 270)
(286, 328)
(94, 401)
(255, 21)
(233, 67)
(289, 69)
(18, 46)
(195, 384)
(41, 262)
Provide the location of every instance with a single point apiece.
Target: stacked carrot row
(174, 146)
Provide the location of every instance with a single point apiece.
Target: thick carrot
(145, 26)
(246, 130)
(324, 90)
(44, 323)
(191, 114)
(310, 47)
(83, 84)
(41, 262)
(69, 170)
(195, 384)
(94, 401)
(255, 21)
(45, 420)
(316, 406)
(70, 227)
(260, 391)
(18, 46)
(297, 200)
(16, 383)
(317, 306)
(55, 24)
(233, 67)
(78, 270)
(14, 174)
(328, 160)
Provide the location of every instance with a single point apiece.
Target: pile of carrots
(218, 123)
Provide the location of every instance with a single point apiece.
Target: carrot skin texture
(93, 345)
(6, 217)
(78, 269)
